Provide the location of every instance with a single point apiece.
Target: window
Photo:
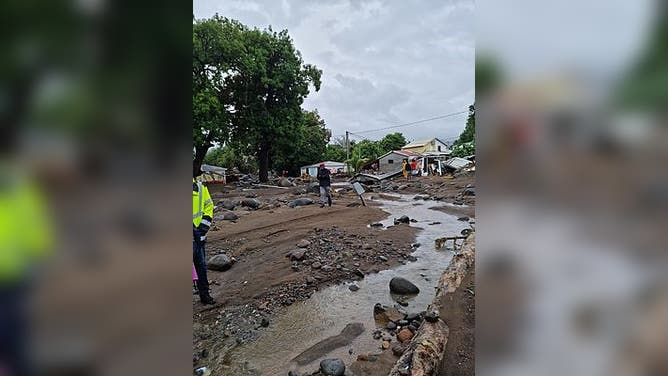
(439, 147)
(390, 161)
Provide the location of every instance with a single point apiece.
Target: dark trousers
(199, 259)
(13, 331)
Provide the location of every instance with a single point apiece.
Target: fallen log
(425, 352)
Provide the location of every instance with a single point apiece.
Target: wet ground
(328, 312)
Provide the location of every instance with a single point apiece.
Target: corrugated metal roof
(457, 162)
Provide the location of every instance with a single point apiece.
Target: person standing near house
(414, 166)
(325, 186)
(407, 169)
(202, 221)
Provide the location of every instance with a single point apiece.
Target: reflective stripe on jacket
(202, 210)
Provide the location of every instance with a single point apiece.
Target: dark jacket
(323, 177)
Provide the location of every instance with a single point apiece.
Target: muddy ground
(270, 270)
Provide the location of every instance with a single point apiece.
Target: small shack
(392, 160)
(333, 167)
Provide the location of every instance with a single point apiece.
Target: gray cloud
(384, 62)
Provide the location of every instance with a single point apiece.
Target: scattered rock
(376, 224)
(219, 263)
(463, 219)
(415, 245)
(367, 246)
(384, 314)
(297, 254)
(391, 326)
(432, 316)
(250, 203)
(285, 182)
(402, 219)
(300, 202)
(316, 265)
(332, 367)
(303, 243)
(382, 258)
(397, 349)
(310, 280)
(228, 204)
(403, 286)
(230, 217)
(353, 287)
(264, 323)
(385, 345)
(404, 335)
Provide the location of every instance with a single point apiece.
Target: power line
(414, 122)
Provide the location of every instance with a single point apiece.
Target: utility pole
(347, 147)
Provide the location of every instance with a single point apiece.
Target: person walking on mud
(202, 221)
(325, 186)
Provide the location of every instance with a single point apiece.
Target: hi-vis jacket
(202, 210)
(25, 234)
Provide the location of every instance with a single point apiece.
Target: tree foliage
(336, 153)
(392, 141)
(226, 156)
(308, 147)
(468, 134)
(248, 88)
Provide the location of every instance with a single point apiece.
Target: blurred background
(95, 148)
(572, 143)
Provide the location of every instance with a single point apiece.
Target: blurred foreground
(573, 193)
(95, 113)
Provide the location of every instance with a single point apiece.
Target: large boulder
(300, 202)
(403, 286)
(228, 204)
(403, 219)
(228, 217)
(250, 203)
(332, 367)
(219, 263)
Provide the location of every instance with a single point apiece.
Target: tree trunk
(200, 153)
(263, 162)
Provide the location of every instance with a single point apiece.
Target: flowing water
(329, 310)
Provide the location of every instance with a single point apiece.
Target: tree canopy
(465, 144)
(248, 88)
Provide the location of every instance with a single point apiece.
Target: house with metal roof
(392, 161)
(433, 145)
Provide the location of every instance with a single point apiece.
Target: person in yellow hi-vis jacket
(202, 221)
(25, 238)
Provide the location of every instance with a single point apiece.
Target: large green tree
(217, 45)
(335, 153)
(248, 88)
(306, 148)
(465, 144)
(392, 141)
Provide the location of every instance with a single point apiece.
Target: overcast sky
(384, 63)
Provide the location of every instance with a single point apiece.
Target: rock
(250, 195)
(350, 351)
(202, 371)
(264, 323)
(411, 258)
(384, 314)
(376, 224)
(413, 316)
(466, 231)
(250, 203)
(470, 191)
(363, 357)
(219, 263)
(297, 254)
(404, 335)
(230, 217)
(293, 373)
(285, 182)
(353, 288)
(303, 243)
(402, 219)
(390, 326)
(359, 273)
(397, 349)
(403, 286)
(415, 245)
(463, 219)
(300, 202)
(327, 268)
(385, 345)
(204, 353)
(367, 246)
(332, 367)
(382, 258)
(402, 322)
(432, 316)
(353, 204)
(316, 265)
(310, 280)
(228, 204)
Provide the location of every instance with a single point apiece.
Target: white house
(333, 167)
(392, 161)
